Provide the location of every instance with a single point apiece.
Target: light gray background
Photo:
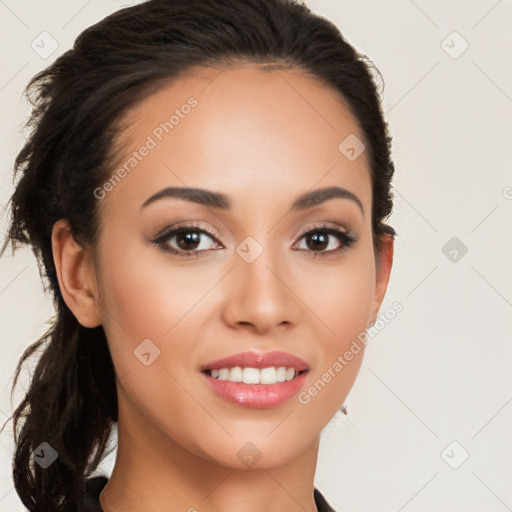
(440, 372)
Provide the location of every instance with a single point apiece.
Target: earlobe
(76, 275)
(384, 262)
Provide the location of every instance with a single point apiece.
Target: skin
(262, 138)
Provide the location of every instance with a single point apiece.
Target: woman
(205, 188)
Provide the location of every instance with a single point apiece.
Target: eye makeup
(191, 233)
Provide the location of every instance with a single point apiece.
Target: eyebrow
(219, 200)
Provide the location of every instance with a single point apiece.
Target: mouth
(254, 380)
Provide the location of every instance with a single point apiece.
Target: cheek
(156, 311)
(345, 304)
(150, 320)
(344, 297)
(145, 293)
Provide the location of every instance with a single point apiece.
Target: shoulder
(91, 498)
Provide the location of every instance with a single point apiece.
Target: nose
(260, 295)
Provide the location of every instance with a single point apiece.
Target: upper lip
(255, 360)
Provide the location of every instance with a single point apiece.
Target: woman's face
(243, 278)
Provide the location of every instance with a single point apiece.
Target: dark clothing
(94, 485)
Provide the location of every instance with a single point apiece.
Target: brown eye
(186, 241)
(318, 240)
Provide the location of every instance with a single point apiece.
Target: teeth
(281, 374)
(235, 374)
(270, 375)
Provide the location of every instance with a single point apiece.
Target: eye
(318, 241)
(189, 240)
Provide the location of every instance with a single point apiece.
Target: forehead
(241, 130)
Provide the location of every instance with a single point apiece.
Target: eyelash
(346, 239)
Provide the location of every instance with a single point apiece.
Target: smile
(257, 380)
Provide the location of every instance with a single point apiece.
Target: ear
(76, 275)
(384, 262)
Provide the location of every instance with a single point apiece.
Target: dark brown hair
(71, 403)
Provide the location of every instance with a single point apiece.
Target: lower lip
(258, 396)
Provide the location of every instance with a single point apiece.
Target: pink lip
(258, 396)
(253, 360)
